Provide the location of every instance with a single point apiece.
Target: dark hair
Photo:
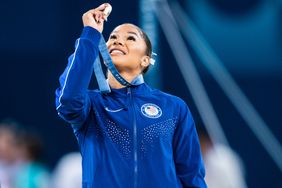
(148, 50)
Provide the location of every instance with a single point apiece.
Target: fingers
(96, 17)
(100, 9)
(98, 13)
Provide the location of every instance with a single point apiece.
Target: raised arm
(72, 100)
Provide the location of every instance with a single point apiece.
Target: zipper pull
(128, 90)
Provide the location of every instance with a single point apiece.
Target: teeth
(117, 52)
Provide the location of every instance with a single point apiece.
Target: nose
(118, 42)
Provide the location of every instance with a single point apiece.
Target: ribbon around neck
(98, 71)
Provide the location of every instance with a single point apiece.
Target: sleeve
(187, 154)
(72, 99)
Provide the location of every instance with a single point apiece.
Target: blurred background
(245, 36)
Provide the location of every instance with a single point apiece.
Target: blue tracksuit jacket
(134, 137)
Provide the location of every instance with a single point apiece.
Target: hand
(95, 17)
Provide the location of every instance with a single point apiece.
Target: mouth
(117, 52)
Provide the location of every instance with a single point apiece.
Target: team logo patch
(151, 110)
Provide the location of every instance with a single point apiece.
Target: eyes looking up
(129, 38)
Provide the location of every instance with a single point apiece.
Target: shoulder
(171, 98)
(175, 103)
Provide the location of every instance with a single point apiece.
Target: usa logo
(151, 110)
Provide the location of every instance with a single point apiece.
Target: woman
(134, 136)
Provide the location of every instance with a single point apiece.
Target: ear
(145, 61)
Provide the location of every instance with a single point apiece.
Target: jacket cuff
(91, 34)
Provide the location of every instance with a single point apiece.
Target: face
(127, 49)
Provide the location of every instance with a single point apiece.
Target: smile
(117, 52)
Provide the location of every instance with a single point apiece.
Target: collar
(136, 90)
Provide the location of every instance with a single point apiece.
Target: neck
(115, 84)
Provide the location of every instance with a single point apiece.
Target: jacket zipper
(134, 138)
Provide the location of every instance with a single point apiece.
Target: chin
(119, 61)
